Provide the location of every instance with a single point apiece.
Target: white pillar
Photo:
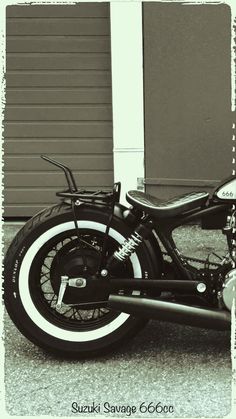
(127, 93)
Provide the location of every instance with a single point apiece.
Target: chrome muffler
(171, 312)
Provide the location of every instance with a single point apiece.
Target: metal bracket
(64, 283)
(72, 282)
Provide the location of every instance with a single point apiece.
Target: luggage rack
(94, 197)
(82, 195)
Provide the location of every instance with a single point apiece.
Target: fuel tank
(226, 191)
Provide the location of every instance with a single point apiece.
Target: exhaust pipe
(171, 312)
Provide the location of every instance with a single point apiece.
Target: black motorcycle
(83, 276)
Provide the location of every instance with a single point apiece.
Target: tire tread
(32, 223)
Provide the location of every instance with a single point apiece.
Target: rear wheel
(46, 249)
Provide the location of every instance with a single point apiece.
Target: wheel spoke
(43, 274)
(52, 300)
(73, 314)
(103, 311)
(67, 311)
(53, 266)
(46, 280)
(78, 312)
(44, 264)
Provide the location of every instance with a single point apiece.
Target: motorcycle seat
(166, 208)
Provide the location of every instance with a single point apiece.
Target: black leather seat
(169, 208)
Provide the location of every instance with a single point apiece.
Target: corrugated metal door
(58, 101)
(188, 139)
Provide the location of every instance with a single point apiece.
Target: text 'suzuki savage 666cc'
(86, 274)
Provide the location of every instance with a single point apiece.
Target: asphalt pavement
(186, 369)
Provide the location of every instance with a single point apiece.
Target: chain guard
(196, 260)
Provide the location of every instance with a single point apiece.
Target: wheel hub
(70, 262)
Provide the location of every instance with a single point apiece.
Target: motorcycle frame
(188, 278)
(162, 227)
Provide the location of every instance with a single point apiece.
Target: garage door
(187, 67)
(58, 101)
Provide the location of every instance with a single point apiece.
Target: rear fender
(151, 244)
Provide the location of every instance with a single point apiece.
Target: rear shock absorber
(129, 246)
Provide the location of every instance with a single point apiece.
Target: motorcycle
(88, 273)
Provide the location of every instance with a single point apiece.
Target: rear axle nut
(201, 287)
